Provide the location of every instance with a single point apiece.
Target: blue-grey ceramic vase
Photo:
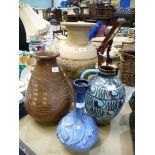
(78, 131)
(106, 96)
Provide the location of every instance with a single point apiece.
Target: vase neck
(78, 31)
(78, 35)
(79, 104)
(81, 87)
(47, 61)
(46, 57)
(107, 71)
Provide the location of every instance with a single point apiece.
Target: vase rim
(44, 55)
(78, 24)
(81, 83)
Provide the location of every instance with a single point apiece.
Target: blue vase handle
(89, 71)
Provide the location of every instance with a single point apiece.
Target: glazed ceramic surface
(48, 95)
(106, 96)
(78, 131)
(76, 52)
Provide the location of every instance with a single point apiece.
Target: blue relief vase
(77, 131)
(106, 96)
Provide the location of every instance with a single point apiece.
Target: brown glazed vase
(48, 96)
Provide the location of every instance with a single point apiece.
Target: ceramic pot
(78, 131)
(106, 96)
(48, 96)
(76, 52)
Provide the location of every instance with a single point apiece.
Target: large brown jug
(48, 96)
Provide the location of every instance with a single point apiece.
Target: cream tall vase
(76, 52)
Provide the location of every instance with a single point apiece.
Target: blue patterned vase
(78, 131)
(106, 96)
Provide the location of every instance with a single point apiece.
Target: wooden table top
(114, 139)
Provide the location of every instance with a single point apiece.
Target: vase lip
(44, 55)
(78, 24)
(108, 70)
(81, 83)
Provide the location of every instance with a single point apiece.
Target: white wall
(39, 3)
(57, 3)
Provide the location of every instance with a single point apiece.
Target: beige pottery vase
(76, 52)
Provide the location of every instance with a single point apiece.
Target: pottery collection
(78, 131)
(58, 76)
(48, 95)
(106, 96)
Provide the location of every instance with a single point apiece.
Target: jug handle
(88, 72)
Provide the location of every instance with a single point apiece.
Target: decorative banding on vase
(74, 68)
(77, 52)
(72, 65)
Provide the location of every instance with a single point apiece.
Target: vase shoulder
(74, 51)
(105, 81)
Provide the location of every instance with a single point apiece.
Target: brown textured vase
(48, 96)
